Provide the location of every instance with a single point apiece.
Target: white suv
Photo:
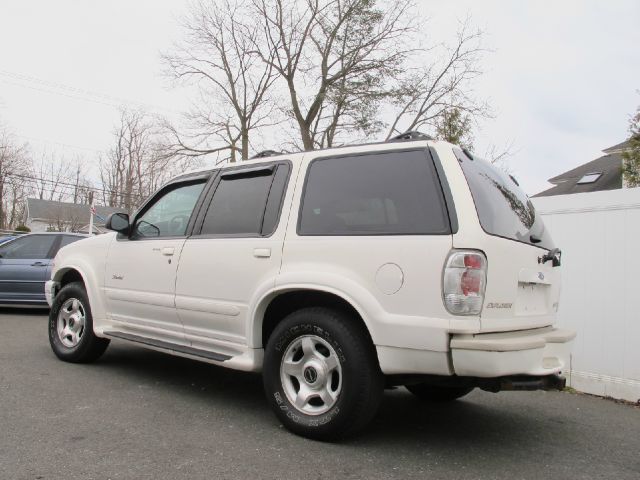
(336, 273)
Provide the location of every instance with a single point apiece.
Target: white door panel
(217, 277)
(235, 256)
(139, 286)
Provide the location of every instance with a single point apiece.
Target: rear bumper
(50, 288)
(538, 352)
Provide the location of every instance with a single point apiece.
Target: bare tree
(14, 167)
(215, 56)
(50, 177)
(425, 93)
(333, 57)
(82, 184)
(335, 69)
(135, 166)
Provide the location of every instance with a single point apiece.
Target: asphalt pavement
(139, 414)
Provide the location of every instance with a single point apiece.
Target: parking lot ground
(139, 414)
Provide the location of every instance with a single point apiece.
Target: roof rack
(266, 153)
(411, 135)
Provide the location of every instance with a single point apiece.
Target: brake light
(470, 284)
(464, 282)
(473, 261)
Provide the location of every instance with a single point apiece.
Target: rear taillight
(464, 281)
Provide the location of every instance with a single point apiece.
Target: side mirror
(118, 222)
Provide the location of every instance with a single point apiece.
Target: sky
(562, 77)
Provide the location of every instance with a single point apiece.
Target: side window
(29, 247)
(388, 193)
(246, 204)
(67, 239)
(169, 215)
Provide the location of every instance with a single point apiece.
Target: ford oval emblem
(541, 275)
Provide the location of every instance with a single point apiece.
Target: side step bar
(196, 352)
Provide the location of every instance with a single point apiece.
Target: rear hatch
(522, 289)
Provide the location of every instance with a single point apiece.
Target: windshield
(503, 208)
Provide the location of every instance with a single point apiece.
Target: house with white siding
(48, 215)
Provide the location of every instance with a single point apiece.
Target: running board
(196, 352)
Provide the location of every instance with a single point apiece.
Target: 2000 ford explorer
(335, 273)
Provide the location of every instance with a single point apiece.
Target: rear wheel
(433, 393)
(71, 326)
(321, 374)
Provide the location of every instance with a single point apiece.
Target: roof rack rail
(266, 153)
(410, 135)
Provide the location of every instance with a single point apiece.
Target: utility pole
(92, 211)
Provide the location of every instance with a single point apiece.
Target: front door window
(169, 215)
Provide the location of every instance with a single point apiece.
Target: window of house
(589, 178)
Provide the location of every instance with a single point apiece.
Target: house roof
(619, 147)
(52, 210)
(609, 166)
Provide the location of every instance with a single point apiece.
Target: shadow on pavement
(25, 311)
(475, 422)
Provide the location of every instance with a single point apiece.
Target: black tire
(361, 382)
(89, 347)
(438, 394)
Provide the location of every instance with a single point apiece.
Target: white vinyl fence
(599, 234)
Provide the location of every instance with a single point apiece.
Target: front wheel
(71, 327)
(321, 374)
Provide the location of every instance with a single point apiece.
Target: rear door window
(247, 203)
(503, 208)
(66, 240)
(386, 193)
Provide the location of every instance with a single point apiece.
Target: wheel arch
(67, 275)
(74, 271)
(279, 303)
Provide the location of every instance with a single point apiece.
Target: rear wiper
(553, 255)
(534, 239)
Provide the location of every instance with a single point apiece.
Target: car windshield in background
(503, 208)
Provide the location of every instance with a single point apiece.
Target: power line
(65, 145)
(67, 185)
(56, 88)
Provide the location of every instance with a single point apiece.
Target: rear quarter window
(386, 193)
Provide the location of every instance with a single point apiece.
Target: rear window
(503, 208)
(67, 239)
(389, 193)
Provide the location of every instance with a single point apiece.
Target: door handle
(168, 251)
(262, 252)
(38, 264)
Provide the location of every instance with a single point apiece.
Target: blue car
(6, 239)
(25, 265)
